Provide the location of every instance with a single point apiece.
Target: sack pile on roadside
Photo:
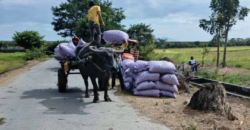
(153, 78)
(67, 49)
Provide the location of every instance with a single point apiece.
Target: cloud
(177, 19)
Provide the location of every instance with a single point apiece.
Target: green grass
(237, 79)
(236, 56)
(10, 61)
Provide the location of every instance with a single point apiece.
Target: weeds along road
(32, 102)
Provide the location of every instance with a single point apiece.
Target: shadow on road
(70, 102)
(55, 69)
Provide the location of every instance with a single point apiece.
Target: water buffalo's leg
(96, 98)
(85, 78)
(87, 87)
(106, 96)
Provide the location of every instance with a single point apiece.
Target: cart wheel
(62, 80)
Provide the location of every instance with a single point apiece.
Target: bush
(28, 39)
(32, 54)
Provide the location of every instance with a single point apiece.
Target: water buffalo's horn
(92, 48)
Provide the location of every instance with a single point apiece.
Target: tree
(28, 39)
(146, 40)
(71, 17)
(228, 11)
(215, 27)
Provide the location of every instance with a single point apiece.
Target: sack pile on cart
(67, 49)
(153, 78)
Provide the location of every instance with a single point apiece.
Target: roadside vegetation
(10, 61)
(237, 56)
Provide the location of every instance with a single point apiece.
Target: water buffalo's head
(109, 56)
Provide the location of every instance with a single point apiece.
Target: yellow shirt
(93, 16)
(124, 46)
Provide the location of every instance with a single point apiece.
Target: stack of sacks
(67, 49)
(126, 72)
(168, 81)
(154, 78)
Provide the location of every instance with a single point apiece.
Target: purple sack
(147, 76)
(112, 36)
(134, 76)
(145, 85)
(127, 85)
(128, 72)
(139, 66)
(162, 67)
(167, 94)
(65, 51)
(71, 45)
(134, 84)
(128, 79)
(150, 93)
(170, 79)
(81, 43)
(166, 87)
(127, 63)
(57, 47)
(59, 58)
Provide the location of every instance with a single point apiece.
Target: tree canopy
(71, 17)
(146, 40)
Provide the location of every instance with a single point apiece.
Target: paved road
(32, 102)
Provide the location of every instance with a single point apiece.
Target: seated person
(193, 64)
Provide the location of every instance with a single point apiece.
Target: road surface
(32, 102)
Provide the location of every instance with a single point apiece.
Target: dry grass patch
(176, 115)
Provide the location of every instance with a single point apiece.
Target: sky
(173, 19)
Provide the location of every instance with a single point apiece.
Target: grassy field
(236, 56)
(10, 61)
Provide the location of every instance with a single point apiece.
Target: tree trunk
(218, 53)
(225, 47)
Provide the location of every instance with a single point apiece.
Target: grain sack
(59, 58)
(127, 63)
(66, 51)
(162, 67)
(147, 76)
(166, 87)
(112, 36)
(139, 66)
(81, 43)
(145, 85)
(127, 79)
(150, 93)
(167, 94)
(170, 79)
(127, 85)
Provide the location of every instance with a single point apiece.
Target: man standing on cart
(94, 14)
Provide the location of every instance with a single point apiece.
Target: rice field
(236, 56)
(10, 61)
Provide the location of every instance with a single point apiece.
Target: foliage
(32, 54)
(226, 13)
(28, 39)
(143, 34)
(164, 44)
(10, 61)
(51, 46)
(71, 17)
